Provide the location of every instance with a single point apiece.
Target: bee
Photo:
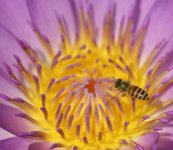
(125, 87)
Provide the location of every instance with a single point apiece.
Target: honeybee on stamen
(125, 87)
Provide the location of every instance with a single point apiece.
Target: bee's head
(118, 83)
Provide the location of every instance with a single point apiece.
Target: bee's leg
(111, 87)
(123, 94)
(113, 99)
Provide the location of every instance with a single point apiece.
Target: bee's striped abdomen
(138, 93)
(132, 90)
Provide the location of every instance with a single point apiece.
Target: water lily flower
(57, 59)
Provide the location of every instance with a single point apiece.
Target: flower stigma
(68, 96)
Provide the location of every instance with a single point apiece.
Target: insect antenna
(113, 84)
(130, 74)
(113, 78)
(111, 87)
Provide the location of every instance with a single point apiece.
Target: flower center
(90, 86)
(68, 96)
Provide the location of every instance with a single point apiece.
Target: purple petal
(14, 143)
(39, 146)
(7, 49)
(145, 7)
(4, 89)
(148, 141)
(5, 134)
(14, 17)
(13, 124)
(160, 26)
(122, 8)
(127, 147)
(165, 143)
(43, 15)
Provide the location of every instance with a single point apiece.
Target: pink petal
(13, 124)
